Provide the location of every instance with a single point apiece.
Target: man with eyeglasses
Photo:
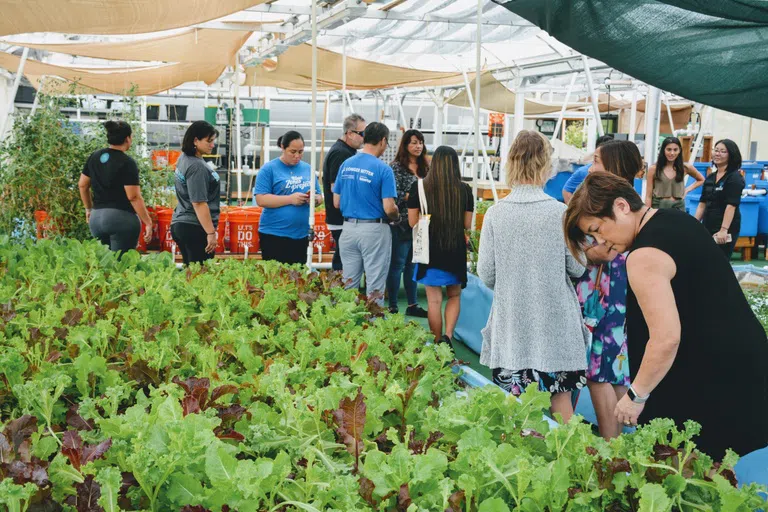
(365, 192)
(351, 140)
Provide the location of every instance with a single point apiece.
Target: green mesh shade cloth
(711, 51)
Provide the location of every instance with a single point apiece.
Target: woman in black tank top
(696, 349)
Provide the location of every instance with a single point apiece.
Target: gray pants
(119, 229)
(366, 248)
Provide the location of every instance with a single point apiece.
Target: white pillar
(506, 142)
(14, 90)
(519, 108)
(559, 123)
(440, 111)
(669, 113)
(652, 113)
(633, 117)
(591, 134)
(344, 95)
(143, 106)
(593, 96)
(313, 155)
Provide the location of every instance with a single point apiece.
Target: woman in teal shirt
(282, 190)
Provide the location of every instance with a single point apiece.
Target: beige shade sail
(495, 96)
(203, 45)
(293, 70)
(112, 16)
(142, 81)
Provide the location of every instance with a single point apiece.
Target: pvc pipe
(313, 155)
(593, 96)
(565, 106)
(14, 90)
(669, 113)
(652, 112)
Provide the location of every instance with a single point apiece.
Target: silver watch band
(635, 397)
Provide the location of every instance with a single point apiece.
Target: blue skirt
(436, 277)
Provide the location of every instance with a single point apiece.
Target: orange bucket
(222, 230)
(164, 216)
(43, 227)
(162, 158)
(142, 246)
(244, 229)
(323, 238)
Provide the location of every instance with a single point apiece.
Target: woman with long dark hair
(282, 189)
(450, 205)
(196, 217)
(721, 196)
(677, 355)
(666, 178)
(409, 165)
(113, 177)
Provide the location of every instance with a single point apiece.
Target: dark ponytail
(284, 141)
(117, 132)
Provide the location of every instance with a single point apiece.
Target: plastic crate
(752, 172)
(750, 210)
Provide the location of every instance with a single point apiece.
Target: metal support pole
(344, 92)
(238, 147)
(633, 117)
(519, 115)
(652, 112)
(14, 90)
(478, 66)
(400, 108)
(267, 131)
(313, 155)
(593, 96)
(36, 101)
(559, 123)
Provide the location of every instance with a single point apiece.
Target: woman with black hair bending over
(282, 190)
(666, 178)
(198, 192)
(721, 196)
(113, 177)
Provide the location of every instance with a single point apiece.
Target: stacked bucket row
(238, 230)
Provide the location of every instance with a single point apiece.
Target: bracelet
(209, 234)
(725, 228)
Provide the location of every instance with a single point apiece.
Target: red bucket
(164, 216)
(244, 230)
(323, 238)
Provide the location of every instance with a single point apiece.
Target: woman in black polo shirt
(113, 177)
(721, 196)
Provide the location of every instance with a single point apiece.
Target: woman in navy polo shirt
(721, 196)
(282, 190)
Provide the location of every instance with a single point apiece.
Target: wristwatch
(635, 397)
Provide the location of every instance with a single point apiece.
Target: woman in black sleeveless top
(696, 349)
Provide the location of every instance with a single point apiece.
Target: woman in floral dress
(602, 293)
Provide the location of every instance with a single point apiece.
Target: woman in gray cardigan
(535, 330)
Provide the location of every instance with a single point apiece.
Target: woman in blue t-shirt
(282, 190)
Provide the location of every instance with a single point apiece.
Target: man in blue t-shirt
(580, 174)
(365, 193)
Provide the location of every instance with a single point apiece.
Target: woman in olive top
(666, 178)
(196, 217)
(721, 196)
(113, 177)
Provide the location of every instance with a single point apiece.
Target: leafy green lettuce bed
(253, 387)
